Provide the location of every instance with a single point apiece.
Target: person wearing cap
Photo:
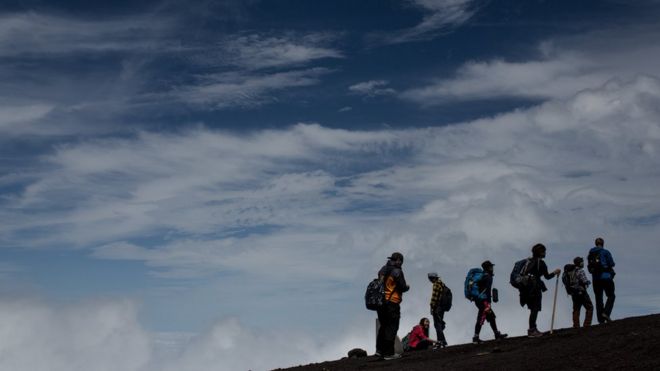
(580, 296)
(533, 294)
(389, 313)
(437, 311)
(486, 312)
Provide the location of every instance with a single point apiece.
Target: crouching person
(419, 336)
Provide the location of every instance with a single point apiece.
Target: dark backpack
(569, 279)
(374, 297)
(405, 343)
(594, 265)
(444, 302)
(471, 287)
(519, 277)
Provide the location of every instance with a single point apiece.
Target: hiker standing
(601, 266)
(419, 336)
(532, 293)
(483, 303)
(576, 285)
(439, 302)
(389, 313)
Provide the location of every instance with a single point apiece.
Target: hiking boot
(476, 340)
(392, 357)
(534, 333)
(500, 335)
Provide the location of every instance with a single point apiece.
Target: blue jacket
(606, 261)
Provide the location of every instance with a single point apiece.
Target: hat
(487, 263)
(396, 256)
(433, 275)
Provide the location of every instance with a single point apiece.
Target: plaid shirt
(436, 293)
(582, 279)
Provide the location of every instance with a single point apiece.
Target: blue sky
(178, 180)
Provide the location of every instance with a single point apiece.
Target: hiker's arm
(401, 282)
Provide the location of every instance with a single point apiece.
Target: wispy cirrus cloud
(244, 89)
(256, 51)
(559, 68)
(439, 16)
(41, 35)
(372, 88)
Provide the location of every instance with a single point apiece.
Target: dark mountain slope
(627, 344)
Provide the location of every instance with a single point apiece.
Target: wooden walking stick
(554, 305)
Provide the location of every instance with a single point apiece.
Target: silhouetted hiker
(418, 339)
(440, 303)
(389, 313)
(576, 283)
(531, 293)
(479, 288)
(601, 267)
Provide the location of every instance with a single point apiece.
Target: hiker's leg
(393, 314)
(598, 295)
(480, 316)
(533, 315)
(491, 320)
(439, 324)
(589, 310)
(609, 291)
(577, 303)
(380, 338)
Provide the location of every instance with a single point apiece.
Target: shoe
(606, 318)
(444, 345)
(377, 354)
(392, 357)
(500, 335)
(476, 340)
(534, 333)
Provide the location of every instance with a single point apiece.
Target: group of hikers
(525, 276)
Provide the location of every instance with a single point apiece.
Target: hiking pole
(554, 305)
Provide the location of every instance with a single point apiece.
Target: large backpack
(569, 279)
(444, 302)
(519, 278)
(471, 288)
(594, 264)
(374, 297)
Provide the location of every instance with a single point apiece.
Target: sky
(211, 185)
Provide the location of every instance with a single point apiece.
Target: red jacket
(416, 336)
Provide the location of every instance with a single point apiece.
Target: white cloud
(259, 51)
(372, 88)
(439, 16)
(100, 336)
(563, 67)
(34, 34)
(17, 119)
(217, 91)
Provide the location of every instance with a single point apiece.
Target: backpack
(445, 299)
(405, 343)
(519, 278)
(594, 265)
(471, 289)
(569, 279)
(374, 297)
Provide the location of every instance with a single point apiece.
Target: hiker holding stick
(532, 295)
